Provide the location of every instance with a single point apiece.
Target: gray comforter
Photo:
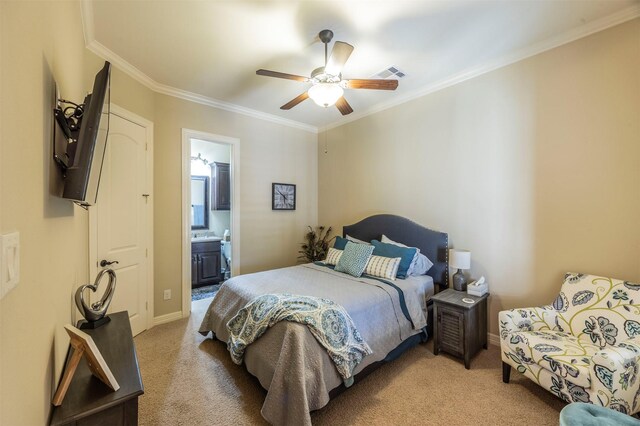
(287, 360)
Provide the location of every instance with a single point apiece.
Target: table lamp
(460, 259)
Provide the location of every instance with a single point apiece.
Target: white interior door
(121, 219)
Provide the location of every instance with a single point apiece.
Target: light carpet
(190, 380)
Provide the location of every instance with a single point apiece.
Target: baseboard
(163, 319)
(494, 339)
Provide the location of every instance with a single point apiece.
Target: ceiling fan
(327, 83)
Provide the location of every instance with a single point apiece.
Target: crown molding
(548, 44)
(108, 55)
(86, 12)
(215, 103)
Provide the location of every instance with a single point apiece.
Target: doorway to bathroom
(210, 214)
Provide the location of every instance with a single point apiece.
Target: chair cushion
(558, 352)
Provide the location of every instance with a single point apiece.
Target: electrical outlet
(167, 294)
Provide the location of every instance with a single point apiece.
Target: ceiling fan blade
(276, 74)
(295, 101)
(343, 106)
(376, 84)
(339, 55)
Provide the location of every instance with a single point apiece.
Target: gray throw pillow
(420, 263)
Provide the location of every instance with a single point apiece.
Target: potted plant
(315, 245)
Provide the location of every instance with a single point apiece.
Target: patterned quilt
(329, 323)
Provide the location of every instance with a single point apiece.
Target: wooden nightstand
(460, 328)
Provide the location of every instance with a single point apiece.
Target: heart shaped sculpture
(98, 309)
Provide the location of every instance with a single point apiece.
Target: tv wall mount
(68, 115)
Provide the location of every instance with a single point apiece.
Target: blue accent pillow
(354, 258)
(340, 243)
(405, 254)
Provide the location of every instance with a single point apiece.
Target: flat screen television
(85, 156)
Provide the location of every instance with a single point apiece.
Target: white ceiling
(213, 48)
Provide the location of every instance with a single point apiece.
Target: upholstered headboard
(433, 244)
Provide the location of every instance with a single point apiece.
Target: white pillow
(333, 256)
(355, 240)
(383, 267)
(420, 263)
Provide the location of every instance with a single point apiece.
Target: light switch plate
(10, 268)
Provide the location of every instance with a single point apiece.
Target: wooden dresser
(89, 401)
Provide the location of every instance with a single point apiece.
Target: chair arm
(527, 319)
(614, 375)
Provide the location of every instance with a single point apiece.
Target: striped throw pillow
(333, 256)
(383, 267)
(354, 259)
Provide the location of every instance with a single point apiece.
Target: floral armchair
(585, 347)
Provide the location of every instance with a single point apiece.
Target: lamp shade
(460, 259)
(325, 94)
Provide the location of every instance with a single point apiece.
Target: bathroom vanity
(206, 267)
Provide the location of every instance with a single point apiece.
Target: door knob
(105, 262)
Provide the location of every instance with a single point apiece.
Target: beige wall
(269, 153)
(53, 233)
(532, 167)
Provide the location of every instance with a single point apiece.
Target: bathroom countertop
(205, 239)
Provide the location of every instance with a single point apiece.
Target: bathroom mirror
(199, 202)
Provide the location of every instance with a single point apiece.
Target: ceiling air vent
(391, 72)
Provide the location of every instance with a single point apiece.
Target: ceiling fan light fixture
(325, 94)
(327, 83)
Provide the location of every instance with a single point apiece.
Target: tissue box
(478, 290)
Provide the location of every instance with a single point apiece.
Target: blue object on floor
(582, 414)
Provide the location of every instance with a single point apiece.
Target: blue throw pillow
(405, 254)
(354, 258)
(340, 243)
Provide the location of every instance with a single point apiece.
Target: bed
(296, 371)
